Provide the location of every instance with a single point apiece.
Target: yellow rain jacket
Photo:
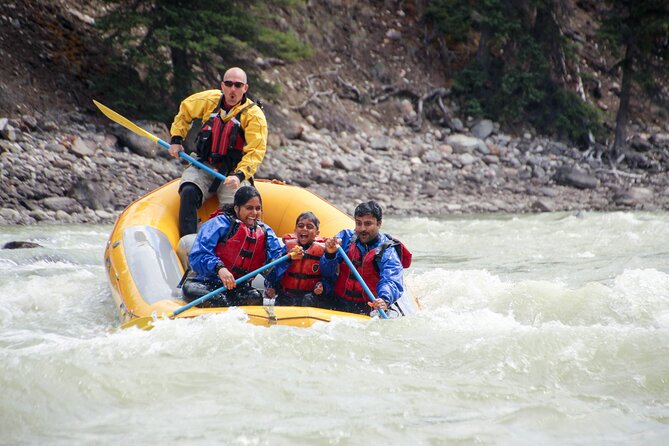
(253, 123)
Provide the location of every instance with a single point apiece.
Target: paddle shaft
(242, 279)
(193, 161)
(360, 279)
(128, 124)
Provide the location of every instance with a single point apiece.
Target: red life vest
(242, 249)
(220, 141)
(347, 286)
(400, 248)
(303, 275)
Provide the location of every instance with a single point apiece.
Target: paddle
(360, 279)
(111, 114)
(146, 323)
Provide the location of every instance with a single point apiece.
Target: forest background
(589, 75)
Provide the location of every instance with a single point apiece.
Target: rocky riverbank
(77, 168)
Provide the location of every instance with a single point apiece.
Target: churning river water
(548, 329)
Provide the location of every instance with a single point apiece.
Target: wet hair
(242, 196)
(368, 208)
(308, 216)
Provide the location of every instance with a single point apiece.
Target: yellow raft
(144, 269)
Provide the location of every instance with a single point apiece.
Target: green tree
(638, 32)
(517, 72)
(165, 49)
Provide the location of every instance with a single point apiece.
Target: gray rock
(29, 121)
(483, 129)
(432, 156)
(9, 133)
(381, 143)
(462, 143)
(394, 35)
(11, 216)
(65, 204)
(91, 194)
(542, 205)
(490, 159)
(56, 147)
(467, 159)
(633, 196)
(81, 147)
(140, 145)
(456, 124)
(345, 164)
(575, 177)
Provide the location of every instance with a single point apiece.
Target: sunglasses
(236, 84)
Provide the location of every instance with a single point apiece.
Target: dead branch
(312, 99)
(354, 92)
(392, 90)
(437, 93)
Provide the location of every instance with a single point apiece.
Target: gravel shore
(77, 169)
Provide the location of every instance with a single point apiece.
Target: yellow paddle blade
(143, 323)
(111, 114)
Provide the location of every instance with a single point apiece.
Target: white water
(550, 329)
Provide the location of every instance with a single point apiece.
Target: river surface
(548, 329)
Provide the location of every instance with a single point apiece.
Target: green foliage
(450, 17)
(642, 25)
(472, 83)
(271, 41)
(499, 16)
(524, 84)
(514, 84)
(566, 116)
(176, 47)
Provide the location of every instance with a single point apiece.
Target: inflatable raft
(144, 268)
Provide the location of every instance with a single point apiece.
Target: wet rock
(21, 245)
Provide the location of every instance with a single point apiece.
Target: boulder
(139, 144)
(20, 245)
(462, 143)
(92, 194)
(575, 177)
(62, 204)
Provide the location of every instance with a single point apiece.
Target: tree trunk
(181, 85)
(623, 108)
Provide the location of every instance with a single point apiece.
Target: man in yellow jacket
(233, 140)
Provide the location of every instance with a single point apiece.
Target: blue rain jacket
(203, 259)
(391, 282)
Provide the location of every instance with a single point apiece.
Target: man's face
(234, 86)
(367, 228)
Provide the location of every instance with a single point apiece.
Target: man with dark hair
(380, 268)
(233, 140)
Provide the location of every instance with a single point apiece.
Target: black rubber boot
(191, 200)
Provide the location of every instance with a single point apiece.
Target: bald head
(235, 74)
(234, 86)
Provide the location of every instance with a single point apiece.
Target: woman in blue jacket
(229, 246)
